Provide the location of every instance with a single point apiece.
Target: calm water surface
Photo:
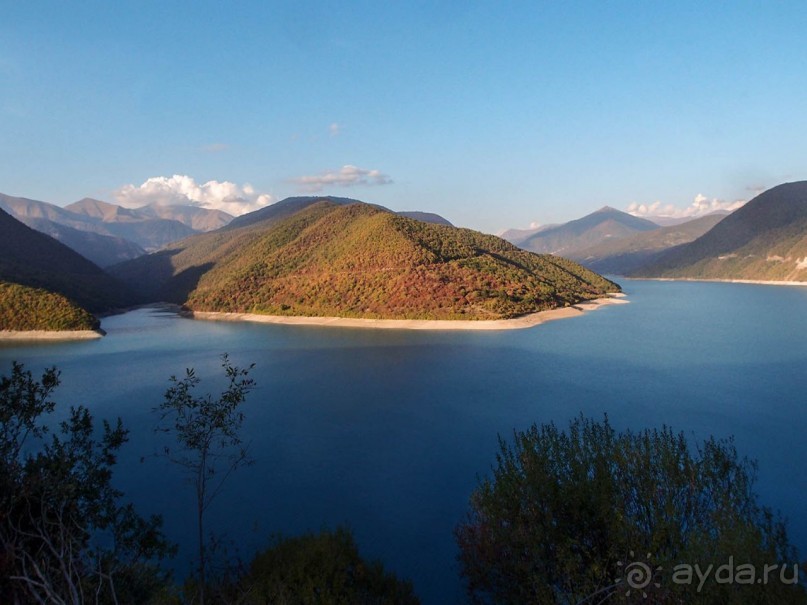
(387, 431)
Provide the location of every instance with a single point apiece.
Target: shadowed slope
(33, 259)
(764, 240)
(624, 255)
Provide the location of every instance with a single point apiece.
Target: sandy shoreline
(44, 335)
(527, 321)
(760, 282)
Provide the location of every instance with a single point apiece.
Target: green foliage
(64, 536)
(319, 569)
(565, 513)
(23, 308)
(210, 447)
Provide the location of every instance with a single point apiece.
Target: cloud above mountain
(700, 206)
(183, 190)
(346, 176)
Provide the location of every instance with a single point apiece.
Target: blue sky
(493, 114)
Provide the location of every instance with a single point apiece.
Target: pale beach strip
(526, 321)
(49, 335)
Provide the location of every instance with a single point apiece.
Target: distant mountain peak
(604, 224)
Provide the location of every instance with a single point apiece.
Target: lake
(387, 431)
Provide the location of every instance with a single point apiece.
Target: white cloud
(183, 190)
(335, 129)
(346, 176)
(700, 206)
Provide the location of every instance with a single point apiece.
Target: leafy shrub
(565, 514)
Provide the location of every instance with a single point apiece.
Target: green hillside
(359, 260)
(23, 308)
(764, 240)
(34, 259)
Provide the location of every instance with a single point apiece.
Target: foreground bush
(317, 569)
(590, 515)
(65, 535)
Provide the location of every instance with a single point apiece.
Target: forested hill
(358, 260)
(764, 240)
(33, 259)
(23, 309)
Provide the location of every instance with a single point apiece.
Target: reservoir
(387, 431)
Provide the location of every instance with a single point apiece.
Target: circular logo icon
(638, 575)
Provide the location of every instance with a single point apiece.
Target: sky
(492, 114)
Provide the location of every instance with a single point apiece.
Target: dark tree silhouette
(209, 444)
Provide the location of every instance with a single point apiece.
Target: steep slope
(359, 260)
(518, 236)
(670, 221)
(23, 208)
(103, 250)
(764, 240)
(33, 259)
(286, 208)
(23, 309)
(426, 217)
(622, 256)
(291, 205)
(606, 223)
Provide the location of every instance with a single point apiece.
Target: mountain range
(766, 239)
(604, 224)
(614, 242)
(325, 255)
(106, 233)
(624, 255)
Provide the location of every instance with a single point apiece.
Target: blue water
(387, 431)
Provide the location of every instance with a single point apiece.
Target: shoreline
(49, 335)
(526, 321)
(758, 282)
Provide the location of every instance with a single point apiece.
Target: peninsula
(358, 261)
